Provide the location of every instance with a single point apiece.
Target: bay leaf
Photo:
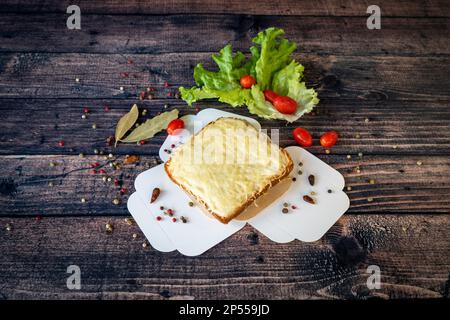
(151, 127)
(126, 122)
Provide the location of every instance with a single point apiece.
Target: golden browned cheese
(227, 165)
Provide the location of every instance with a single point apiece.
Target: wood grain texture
(436, 8)
(395, 127)
(399, 186)
(35, 256)
(360, 78)
(192, 33)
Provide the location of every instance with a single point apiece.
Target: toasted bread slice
(227, 165)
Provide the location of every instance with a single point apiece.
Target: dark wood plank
(411, 251)
(400, 185)
(46, 75)
(393, 127)
(192, 33)
(437, 8)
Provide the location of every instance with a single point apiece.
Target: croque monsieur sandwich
(227, 165)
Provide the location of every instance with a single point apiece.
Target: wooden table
(389, 87)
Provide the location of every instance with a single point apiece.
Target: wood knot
(253, 238)
(8, 187)
(331, 81)
(349, 251)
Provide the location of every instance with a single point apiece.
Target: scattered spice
(294, 207)
(311, 179)
(8, 227)
(144, 244)
(61, 143)
(130, 159)
(93, 171)
(372, 181)
(158, 218)
(285, 204)
(104, 179)
(110, 141)
(285, 210)
(50, 184)
(83, 200)
(116, 182)
(106, 108)
(349, 188)
(313, 193)
(183, 219)
(81, 155)
(366, 120)
(349, 156)
(124, 74)
(191, 204)
(116, 201)
(308, 199)
(330, 191)
(327, 151)
(155, 195)
(294, 179)
(174, 219)
(300, 172)
(360, 154)
(77, 79)
(300, 164)
(83, 116)
(161, 208)
(109, 228)
(370, 199)
(358, 136)
(141, 142)
(94, 126)
(123, 190)
(121, 88)
(419, 163)
(38, 218)
(166, 84)
(96, 151)
(169, 212)
(52, 164)
(134, 235)
(129, 221)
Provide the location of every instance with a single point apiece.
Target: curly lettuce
(270, 63)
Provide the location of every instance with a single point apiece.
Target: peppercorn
(191, 204)
(109, 228)
(116, 201)
(285, 210)
(183, 219)
(158, 218)
(83, 200)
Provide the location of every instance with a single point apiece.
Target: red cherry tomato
(328, 139)
(302, 137)
(247, 81)
(270, 95)
(285, 105)
(174, 125)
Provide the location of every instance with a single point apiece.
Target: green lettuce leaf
(275, 54)
(270, 63)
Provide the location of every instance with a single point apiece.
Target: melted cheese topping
(226, 163)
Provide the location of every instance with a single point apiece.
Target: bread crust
(284, 174)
